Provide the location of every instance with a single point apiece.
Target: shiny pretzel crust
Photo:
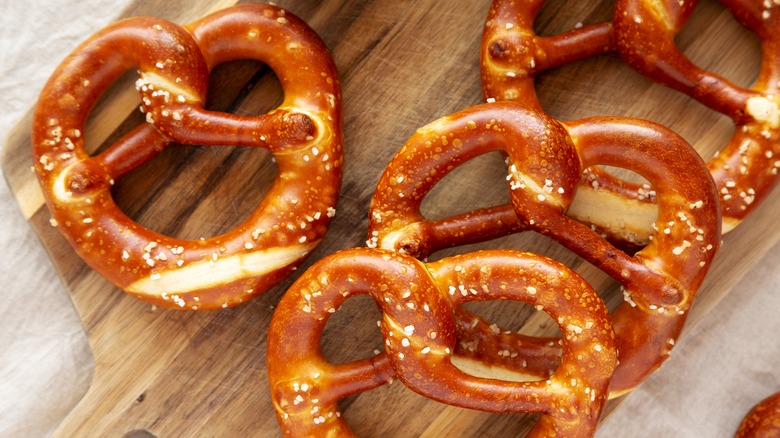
(304, 134)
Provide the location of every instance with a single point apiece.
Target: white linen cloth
(721, 368)
(45, 362)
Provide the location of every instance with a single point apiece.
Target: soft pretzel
(745, 170)
(763, 421)
(417, 302)
(546, 159)
(303, 133)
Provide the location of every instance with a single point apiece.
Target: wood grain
(402, 65)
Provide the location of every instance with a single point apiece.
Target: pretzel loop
(304, 134)
(547, 159)
(745, 170)
(417, 302)
(304, 385)
(506, 276)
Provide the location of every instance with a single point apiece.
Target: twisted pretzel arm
(645, 38)
(480, 342)
(417, 302)
(304, 135)
(131, 151)
(512, 54)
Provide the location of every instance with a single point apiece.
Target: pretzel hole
(739, 56)
(477, 183)
(581, 91)
(515, 316)
(624, 174)
(351, 332)
(360, 411)
(556, 16)
(191, 191)
(254, 88)
(139, 434)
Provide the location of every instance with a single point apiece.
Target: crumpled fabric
(45, 360)
(717, 371)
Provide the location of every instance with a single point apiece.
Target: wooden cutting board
(402, 65)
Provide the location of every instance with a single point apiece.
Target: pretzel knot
(546, 159)
(417, 302)
(303, 133)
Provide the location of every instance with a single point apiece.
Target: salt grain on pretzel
(418, 328)
(546, 160)
(174, 64)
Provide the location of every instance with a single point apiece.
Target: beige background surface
(717, 372)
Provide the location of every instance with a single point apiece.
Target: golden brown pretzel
(745, 170)
(763, 421)
(303, 133)
(417, 302)
(546, 159)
